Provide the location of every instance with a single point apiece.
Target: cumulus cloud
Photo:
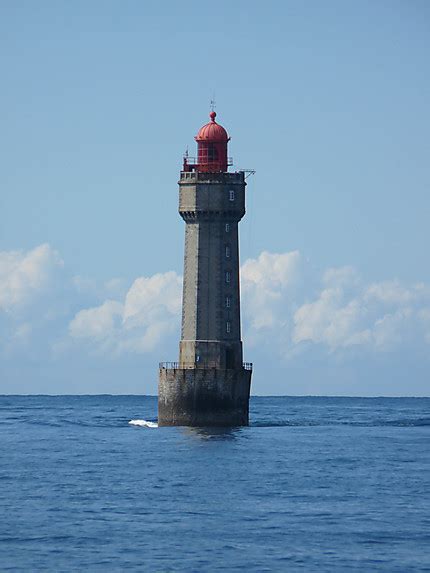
(331, 320)
(98, 322)
(24, 276)
(149, 312)
(348, 313)
(283, 301)
(288, 308)
(152, 298)
(271, 271)
(268, 286)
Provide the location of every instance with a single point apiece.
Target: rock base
(203, 397)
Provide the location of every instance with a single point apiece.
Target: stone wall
(203, 397)
(211, 209)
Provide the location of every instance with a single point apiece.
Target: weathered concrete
(210, 353)
(203, 397)
(209, 385)
(211, 204)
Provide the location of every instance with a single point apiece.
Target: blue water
(314, 484)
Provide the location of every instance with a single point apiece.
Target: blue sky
(327, 101)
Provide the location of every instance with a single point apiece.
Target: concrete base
(203, 397)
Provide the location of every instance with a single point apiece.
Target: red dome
(212, 131)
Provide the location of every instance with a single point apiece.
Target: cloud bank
(291, 313)
(24, 277)
(138, 323)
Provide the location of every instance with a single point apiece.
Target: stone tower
(210, 384)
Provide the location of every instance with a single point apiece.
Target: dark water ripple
(314, 484)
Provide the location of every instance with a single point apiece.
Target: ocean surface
(314, 484)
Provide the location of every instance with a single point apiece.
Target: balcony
(192, 365)
(193, 162)
(234, 177)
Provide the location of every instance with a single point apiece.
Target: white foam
(143, 423)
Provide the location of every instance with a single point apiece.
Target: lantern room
(212, 140)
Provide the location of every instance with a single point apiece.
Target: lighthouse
(210, 383)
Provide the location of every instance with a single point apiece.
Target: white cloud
(392, 292)
(149, 312)
(271, 271)
(382, 316)
(288, 309)
(281, 309)
(330, 320)
(153, 297)
(98, 322)
(26, 275)
(285, 304)
(391, 330)
(268, 285)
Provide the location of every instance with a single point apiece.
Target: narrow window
(227, 227)
(227, 302)
(212, 152)
(228, 327)
(227, 276)
(232, 195)
(227, 252)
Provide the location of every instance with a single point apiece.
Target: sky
(326, 101)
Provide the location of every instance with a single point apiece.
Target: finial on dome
(212, 115)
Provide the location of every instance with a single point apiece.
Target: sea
(314, 484)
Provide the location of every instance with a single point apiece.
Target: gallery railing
(192, 365)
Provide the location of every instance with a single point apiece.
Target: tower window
(228, 327)
(231, 195)
(227, 302)
(227, 276)
(212, 152)
(227, 227)
(227, 252)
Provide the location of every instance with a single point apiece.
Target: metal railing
(233, 177)
(193, 365)
(204, 161)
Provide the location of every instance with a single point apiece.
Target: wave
(304, 423)
(401, 423)
(143, 423)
